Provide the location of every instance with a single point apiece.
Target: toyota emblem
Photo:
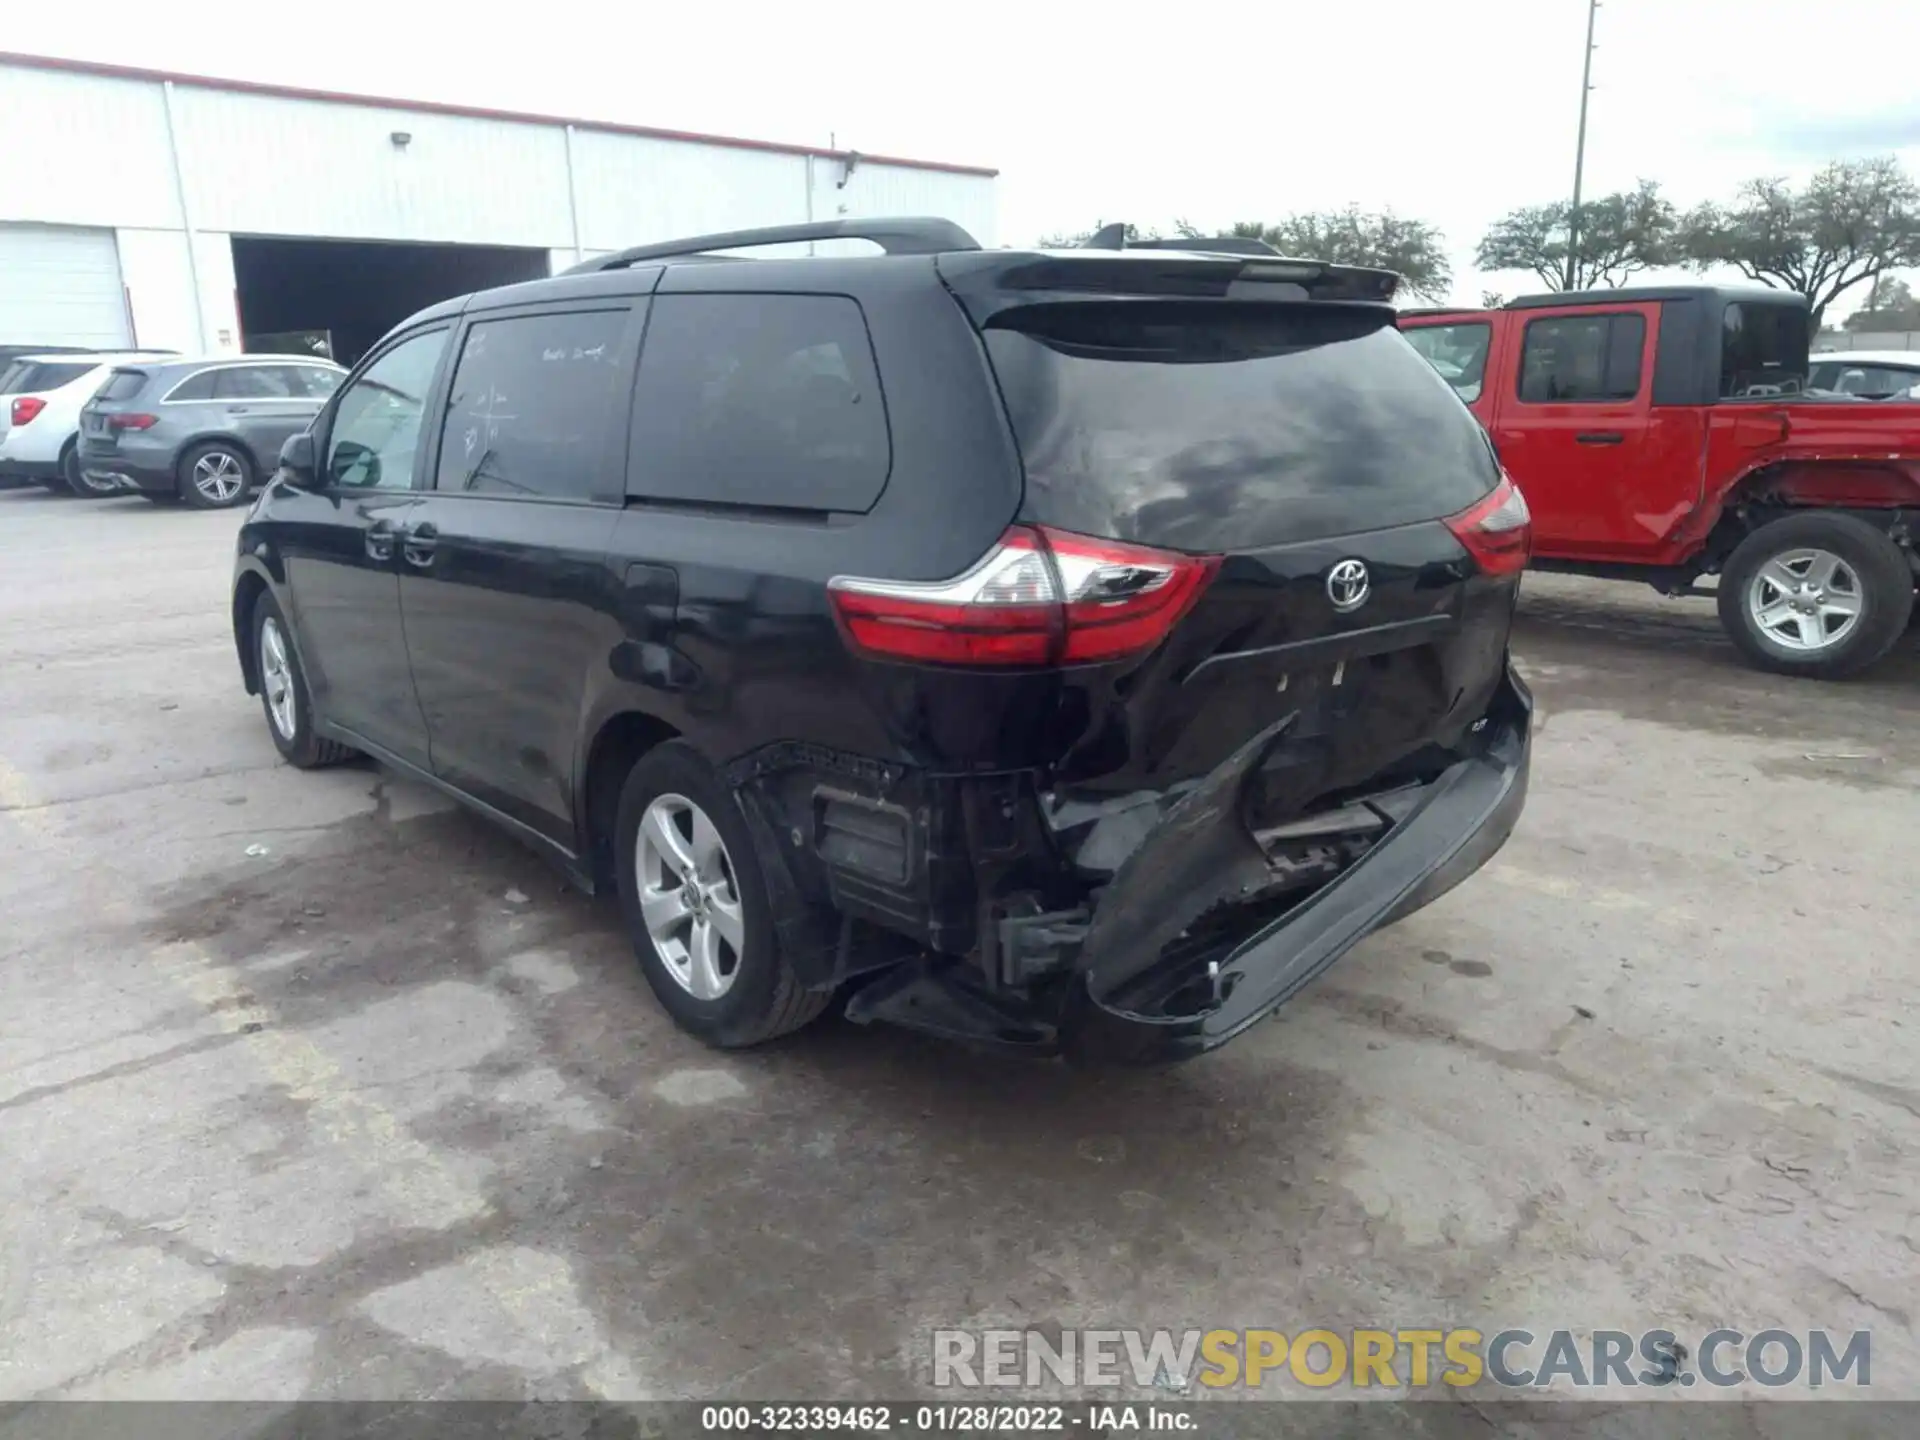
(1348, 585)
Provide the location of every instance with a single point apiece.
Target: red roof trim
(474, 112)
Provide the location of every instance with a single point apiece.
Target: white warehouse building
(204, 215)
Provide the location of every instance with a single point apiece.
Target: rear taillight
(130, 420)
(26, 407)
(1039, 597)
(1497, 530)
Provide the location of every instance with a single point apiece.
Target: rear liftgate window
(1228, 427)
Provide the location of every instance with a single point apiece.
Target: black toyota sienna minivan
(1071, 652)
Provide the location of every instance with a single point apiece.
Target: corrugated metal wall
(83, 150)
(270, 165)
(262, 165)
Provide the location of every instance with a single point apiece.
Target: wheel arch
(251, 582)
(617, 745)
(1883, 493)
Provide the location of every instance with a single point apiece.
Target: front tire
(215, 476)
(696, 905)
(1819, 594)
(283, 692)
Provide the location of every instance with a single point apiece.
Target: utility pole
(1580, 152)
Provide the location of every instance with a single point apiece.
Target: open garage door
(339, 296)
(61, 286)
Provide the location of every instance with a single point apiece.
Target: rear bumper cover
(126, 471)
(1200, 856)
(26, 472)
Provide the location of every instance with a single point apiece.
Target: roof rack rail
(1114, 237)
(912, 235)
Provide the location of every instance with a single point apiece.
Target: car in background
(40, 400)
(1667, 434)
(11, 353)
(1868, 374)
(200, 431)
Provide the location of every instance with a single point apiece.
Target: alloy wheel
(688, 899)
(276, 678)
(1805, 600)
(218, 476)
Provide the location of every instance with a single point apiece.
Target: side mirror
(296, 459)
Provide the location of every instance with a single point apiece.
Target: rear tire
(749, 994)
(215, 476)
(284, 697)
(75, 479)
(1818, 594)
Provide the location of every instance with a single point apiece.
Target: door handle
(417, 545)
(1601, 437)
(379, 540)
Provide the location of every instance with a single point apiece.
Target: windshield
(1763, 350)
(1229, 427)
(1856, 377)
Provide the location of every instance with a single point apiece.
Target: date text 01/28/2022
(952, 1418)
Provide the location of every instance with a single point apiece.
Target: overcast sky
(1146, 110)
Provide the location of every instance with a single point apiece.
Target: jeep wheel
(1817, 594)
(697, 908)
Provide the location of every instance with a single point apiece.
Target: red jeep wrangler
(1666, 434)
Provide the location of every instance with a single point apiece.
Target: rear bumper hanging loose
(1129, 1002)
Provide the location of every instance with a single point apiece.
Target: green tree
(1381, 240)
(1853, 221)
(1891, 306)
(1619, 235)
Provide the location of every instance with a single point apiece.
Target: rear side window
(194, 387)
(250, 382)
(1210, 427)
(37, 377)
(1576, 359)
(762, 400)
(536, 406)
(1763, 350)
(311, 380)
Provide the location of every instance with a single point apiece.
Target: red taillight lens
(130, 420)
(1497, 530)
(1039, 597)
(26, 407)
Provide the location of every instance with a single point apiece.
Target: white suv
(40, 400)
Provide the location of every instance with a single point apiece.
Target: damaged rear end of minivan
(1241, 660)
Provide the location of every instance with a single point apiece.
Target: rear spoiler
(990, 281)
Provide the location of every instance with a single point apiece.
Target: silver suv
(202, 431)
